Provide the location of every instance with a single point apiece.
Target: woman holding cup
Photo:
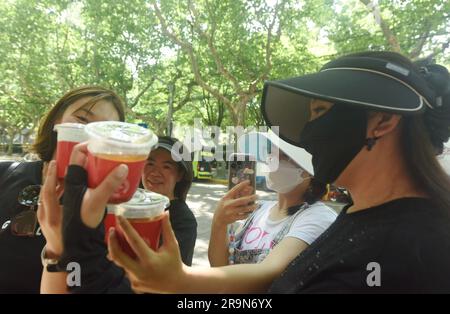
(171, 177)
(113, 143)
(162, 174)
(110, 145)
(374, 123)
(99, 275)
(21, 240)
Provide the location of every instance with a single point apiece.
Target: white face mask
(285, 178)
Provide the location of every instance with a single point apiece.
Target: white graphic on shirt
(6, 224)
(374, 277)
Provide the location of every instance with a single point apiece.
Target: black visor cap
(375, 84)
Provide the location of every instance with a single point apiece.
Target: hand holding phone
(237, 204)
(242, 167)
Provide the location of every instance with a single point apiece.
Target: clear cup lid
(143, 204)
(143, 198)
(122, 132)
(71, 132)
(69, 125)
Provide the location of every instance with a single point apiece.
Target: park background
(173, 62)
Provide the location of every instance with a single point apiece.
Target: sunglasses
(24, 223)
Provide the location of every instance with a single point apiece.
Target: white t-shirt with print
(307, 226)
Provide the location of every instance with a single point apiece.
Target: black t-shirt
(184, 226)
(86, 246)
(408, 238)
(20, 263)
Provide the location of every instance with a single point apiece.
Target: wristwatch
(50, 264)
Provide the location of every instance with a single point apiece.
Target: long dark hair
(424, 135)
(45, 143)
(420, 156)
(316, 190)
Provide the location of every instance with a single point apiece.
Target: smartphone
(241, 167)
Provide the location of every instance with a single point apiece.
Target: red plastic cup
(145, 212)
(69, 134)
(112, 143)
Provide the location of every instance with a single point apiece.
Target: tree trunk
(9, 151)
(170, 111)
(241, 118)
(220, 115)
(241, 110)
(389, 35)
(238, 114)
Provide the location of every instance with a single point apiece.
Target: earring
(370, 142)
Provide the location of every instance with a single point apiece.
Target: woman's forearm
(218, 245)
(242, 278)
(53, 283)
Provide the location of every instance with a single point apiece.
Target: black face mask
(334, 139)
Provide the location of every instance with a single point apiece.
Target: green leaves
(205, 59)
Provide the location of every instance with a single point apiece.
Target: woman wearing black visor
(374, 123)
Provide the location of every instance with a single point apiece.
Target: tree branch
(186, 98)
(212, 48)
(187, 47)
(142, 92)
(438, 50)
(387, 32)
(200, 112)
(422, 40)
(268, 49)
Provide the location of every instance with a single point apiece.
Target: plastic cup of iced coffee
(111, 143)
(69, 134)
(144, 212)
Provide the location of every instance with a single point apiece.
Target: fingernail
(122, 171)
(111, 232)
(111, 235)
